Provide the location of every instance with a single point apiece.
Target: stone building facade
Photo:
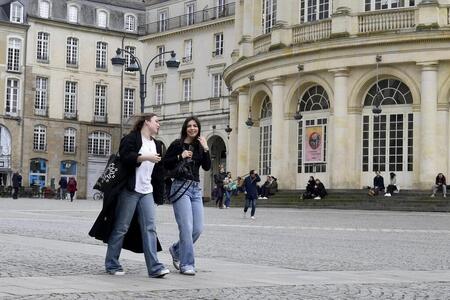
(340, 89)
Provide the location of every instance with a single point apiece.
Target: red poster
(314, 144)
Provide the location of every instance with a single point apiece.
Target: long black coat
(129, 151)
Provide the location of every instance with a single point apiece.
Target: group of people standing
(127, 219)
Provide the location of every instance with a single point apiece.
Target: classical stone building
(339, 89)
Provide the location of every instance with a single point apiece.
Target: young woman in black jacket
(185, 193)
(140, 155)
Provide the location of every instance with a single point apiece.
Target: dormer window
(44, 9)
(16, 13)
(102, 18)
(130, 23)
(72, 14)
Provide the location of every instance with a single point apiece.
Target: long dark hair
(141, 119)
(184, 129)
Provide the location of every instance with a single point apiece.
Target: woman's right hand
(154, 158)
(186, 154)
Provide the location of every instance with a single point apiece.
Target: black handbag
(111, 176)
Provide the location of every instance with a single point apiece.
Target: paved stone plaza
(283, 254)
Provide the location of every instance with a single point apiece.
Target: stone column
(243, 133)
(248, 28)
(279, 143)
(232, 139)
(428, 160)
(339, 145)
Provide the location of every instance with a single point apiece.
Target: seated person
(319, 190)
(440, 184)
(264, 193)
(378, 184)
(240, 184)
(273, 188)
(309, 188)
(392, 187)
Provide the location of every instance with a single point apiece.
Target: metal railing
(189, 19)
(100, 118)
(71, 115)
(43, 112)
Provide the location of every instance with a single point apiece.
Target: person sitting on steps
(440, 184)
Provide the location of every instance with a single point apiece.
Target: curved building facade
(340, 89)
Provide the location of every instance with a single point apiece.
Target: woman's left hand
(203, 142)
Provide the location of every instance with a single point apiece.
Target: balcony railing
(100, 118)
(43, 112)
(386, 20)
(312, 31)
(71, 115)
(189, 19)
(261, 43)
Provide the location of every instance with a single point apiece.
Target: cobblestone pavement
(45, 241)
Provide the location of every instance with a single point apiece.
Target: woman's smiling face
(192, 129)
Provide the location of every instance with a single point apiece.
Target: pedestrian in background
(16, 184)
(72, 187)
(191, 150)
(62, 188)
(251, 192)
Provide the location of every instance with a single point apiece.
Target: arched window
(44, 9)
(12, 96)
(101, 55)
(313, 131)
(99, 143)
(40, 138)
(102, 18)
(16, 12)
(265, 138)
(72, 51)
(70, 136)
(72, 14)
(130, 23)
(387, 138)
(14, 48)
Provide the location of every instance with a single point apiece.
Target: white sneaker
(116, 273)
(387, 195)
(252, 217)
(445, 196)
(317, 198)
(432, 196)
(259, 198)
(264, 198)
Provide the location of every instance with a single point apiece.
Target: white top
(145, 170)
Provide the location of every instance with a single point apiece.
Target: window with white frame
(187, 51)
(14, 48)
(128, 102)
(163, 21)
(314, 105)
(40, 138)
(187, 89)
(70, 135)
(16, 12)
(159, 93)
(190, 13)
(216, 85)
(99, 143)
(130, 23)
(102, 18)
(218, 44)
(101, 55)
(265, 138)
(70, 98)
(269, 15)
(387, 138)
(72, 14)
(44, 9)
(100, 101)
(72, 51)
(131, 50)
(42, 46)
(40, 98)
(312, 10)
(371, 5)
(161, 60)
(12, 96)
(220, 8)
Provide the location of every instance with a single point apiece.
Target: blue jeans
(251, 202)
(127, 204)
(227, 198)
(188, 212)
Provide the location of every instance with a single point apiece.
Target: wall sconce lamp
(249, 121)
(228, 130)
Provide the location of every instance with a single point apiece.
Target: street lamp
(136, 65)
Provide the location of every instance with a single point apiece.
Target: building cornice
(193, 28)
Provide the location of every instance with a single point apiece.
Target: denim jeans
(227, 198)
(127, 204)
(248, 203)
(188, 212)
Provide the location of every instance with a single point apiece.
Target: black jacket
(104, 223)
